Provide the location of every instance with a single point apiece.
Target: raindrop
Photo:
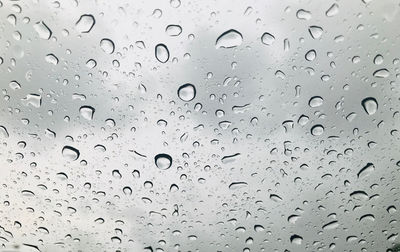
(303, 14)
(229, 39)
(70, 153)
(107, 45)
(315, 31)
(333, 10)
(173, 30)
(267, 38)
(237, 185)
(85, 23)
(315, 101)
(366, 170)
(311, 55)
(161, 53)
(163, 161)
(87, 112)
(370, 105)
(296, 239)
(187, 92)
(42, 30)
(317, 130)
(381, 73)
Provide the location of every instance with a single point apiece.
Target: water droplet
(315, 101)
(296, 239)
(267, 38)
(311, 55)
(162, 53)
(317, 130)
(163, 161)
(229, 39)
(331, 225)
(315, 31)
(378, 59)
(107, 45)
(85, 23)
(34, 100)
(91, 63)
(173, 30)
(237, 185)
(14, 85)
(3, 132)
(87, 112)
(381, 73)
(51, 58)
(333, 10)
(70, 153)
(42, 30)
(187, 92)
(303, 14)
(366, 170)
(370, 105)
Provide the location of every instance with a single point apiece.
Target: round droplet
(162, 53)
(187, 92)
(370, 105)
(378, 59)
(107, 45)
(317, 130)
(70, 153)
(229, 39)
(315, 101)
(296, 239)
(163, 161)
(85, 23)
(173, 30)
(311, 55)
(267, 38)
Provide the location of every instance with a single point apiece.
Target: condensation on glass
(201, 125)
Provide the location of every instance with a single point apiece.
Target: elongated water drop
(161, 53)
(229, 39)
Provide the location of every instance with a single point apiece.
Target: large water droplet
(229, 39)
(107, 45)
(34, 100)
(317, 130)
(296, 239)
(370, 105)
(303, 14)
(85, 23)
(173, 30)
(315, 101)
(42, 30)
(70, 153)
(381, 73)
(267, 38)
(315, 31)
(3, 132)
(87, 112)
(237, 185)
(187, 92)
(162, 53)
(333, 10)
(366, 170)
(163, 161)
(311, 55)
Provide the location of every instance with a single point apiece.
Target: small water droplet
(303, 14)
